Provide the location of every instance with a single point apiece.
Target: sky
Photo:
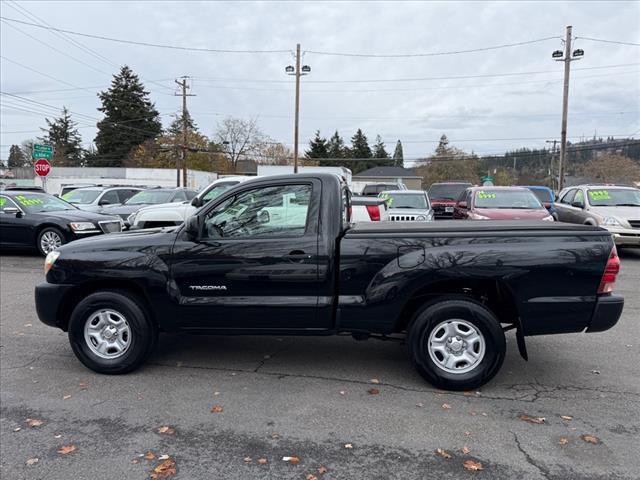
(485, 101)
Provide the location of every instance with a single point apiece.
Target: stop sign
(42, 167)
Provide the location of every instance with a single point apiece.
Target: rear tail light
(350, 213)
(374, 212)
(610, 272)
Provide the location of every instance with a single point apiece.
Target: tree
(503, 177)
(176, 125)
(361, 151)
(130, 119)
(275, 153)
(611, 168)
(62, 134)
(17, 158)
(379, 150)
(398, 157)
(443, 146)
(449, 163)
(317, 147)
(241, 138)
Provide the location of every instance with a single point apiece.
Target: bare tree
(240, 138)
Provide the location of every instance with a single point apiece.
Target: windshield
(620, 197)
(218, 190)
(518, 199)
(81, 196)
(405, 200)
(449, 191)
(150, 197)
(39, 203)
(542, 195)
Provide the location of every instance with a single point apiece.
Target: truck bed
(449, 226)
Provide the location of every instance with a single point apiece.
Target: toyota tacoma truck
(279, 256)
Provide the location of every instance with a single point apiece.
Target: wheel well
(492, 294)
(74, 296)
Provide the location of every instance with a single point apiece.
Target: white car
(172, 214)
(408, 205)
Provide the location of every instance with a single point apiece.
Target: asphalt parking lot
(235, 406)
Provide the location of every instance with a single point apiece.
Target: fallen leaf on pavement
(247, 459)
(149, 455)
(311, 476)
(419, 404)
(467, 434)
(590, 439)
(342, 392)
(446, 406)
(443, 453)
(595, 372)
(57, 436)
(164, 469)
(216, 394)
(348, 445)
(374, 380)
(67, 449)
(373, 391)
(291, 460)
(32, 461)
(34, 422)
(83, 385)
(563, 441)
(566, 417)
(536, 420)
(262, 461)
(472, 465)
(465, 450)
(166, 430)
(216, 409)
(66, 397)
(275, 436)
(163, 457)
(17, 429)
(322, 470)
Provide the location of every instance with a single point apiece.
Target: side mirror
(104, 202)
(577, 204)
(196, 202)
(546, 205)
(192, 227)
(462, 205)
(12, 211)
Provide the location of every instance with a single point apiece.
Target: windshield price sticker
(483, 194)
(387, 198)
(599, 195)
(3, 202)
(28, 201)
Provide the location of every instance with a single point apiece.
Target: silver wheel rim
(107, 334)
(456, 346)
(49, 241)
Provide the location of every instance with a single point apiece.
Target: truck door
(254, 267)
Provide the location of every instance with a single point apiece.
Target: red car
(500, 203)
(443, 197)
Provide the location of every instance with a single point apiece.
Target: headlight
(548, 218)
(611, 222)
(50, 260)
(82, 226)
(421, 218)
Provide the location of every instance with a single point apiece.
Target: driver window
(279, 211)
(6, 202)
(579, 198)
(568, 197)
(110, 197)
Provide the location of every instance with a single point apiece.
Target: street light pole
(298, 72)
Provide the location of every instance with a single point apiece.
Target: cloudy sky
(486, 101)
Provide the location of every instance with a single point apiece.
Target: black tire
(143, 332)
(46, 232)
(430, 317)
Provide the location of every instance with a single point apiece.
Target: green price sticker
(599, 195)
(3, 202)
(482, 194)
(28, 201)
(387, 198)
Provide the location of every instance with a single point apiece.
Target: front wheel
(456, 344)
(49, 239)
(111, 332)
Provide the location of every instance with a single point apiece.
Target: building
(387, 175)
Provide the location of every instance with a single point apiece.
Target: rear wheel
(111, 332)
(49, 239)
(456, 344)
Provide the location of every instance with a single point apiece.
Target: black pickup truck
(279, 256)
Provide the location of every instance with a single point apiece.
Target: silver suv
(96, 197)
(614, 207)
(408, 205)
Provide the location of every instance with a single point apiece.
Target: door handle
(297, 255)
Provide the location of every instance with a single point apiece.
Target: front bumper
(49, 298)
(627, 237)
(606, 314)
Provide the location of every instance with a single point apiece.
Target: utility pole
(298, 72)
(553, 156)
(567, 58)
(185, 147)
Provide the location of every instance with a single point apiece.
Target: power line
(609, 41)
(431, 54)
(143, 44)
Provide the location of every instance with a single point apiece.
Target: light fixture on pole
(297, 71)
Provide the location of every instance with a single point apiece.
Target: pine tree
(398, 156)
(17, 158)
(130, 119)
(442, 150)
(360, 149)
(335, 146)
(62, 134)
(176, 125)
(379, 150)
(317, 147)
